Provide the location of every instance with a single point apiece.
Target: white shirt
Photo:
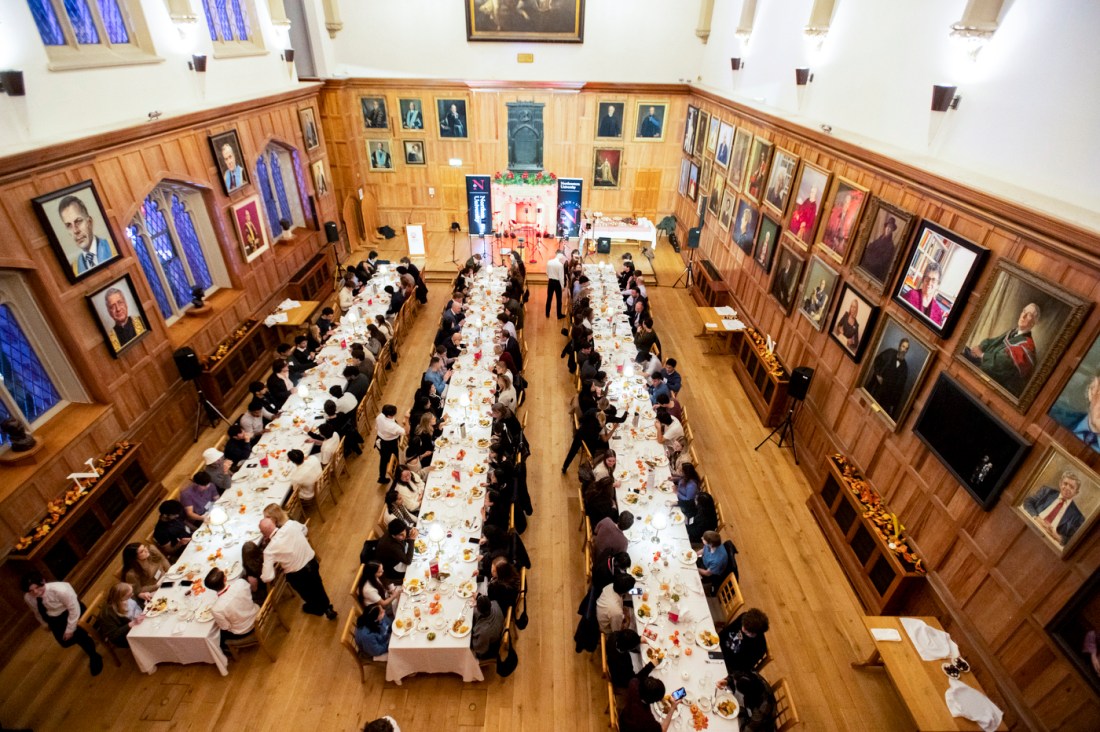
(346, 403)
(510, 328)
(610, 613)
(412, 494)
(305, 477)
(255, 425)
(674, 431)
(234, 609)
(346, 299)
(653, 365)
(59, 597)
(387, 428)
(507, 397)
(555, 270)
(328, 449)
(289, 549)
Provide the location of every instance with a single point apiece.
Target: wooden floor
(786, 569)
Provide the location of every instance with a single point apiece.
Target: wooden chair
(293, 506)
(265, 620)
(341, 467)
(768, 658)
(383, 525)
(507, 640)
(580, 504)
(689, 436)
(694, 456)
(347, 640)
(786, 716)
(355, 587)
(704, 485)
(587, 564)
(721, 518)
(612, 709)
(89, 621)
(683, 415)
(730, 597)
(521, 601)
(603, 658)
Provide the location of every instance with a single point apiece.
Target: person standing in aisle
(555, 276)
(57, 609)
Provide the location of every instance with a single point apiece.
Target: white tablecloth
(453, 499)
(663, 561)
(176, 636)
(644, 230)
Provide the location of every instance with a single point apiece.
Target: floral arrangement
(885, 523)
(510, 178)
(226, 345)
(60, 506)
(770, 359)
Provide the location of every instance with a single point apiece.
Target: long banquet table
(183, 631)
(434, 616)
(663, 560)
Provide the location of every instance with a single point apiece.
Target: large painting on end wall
(531, 21)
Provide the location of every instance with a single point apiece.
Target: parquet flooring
(786, 568)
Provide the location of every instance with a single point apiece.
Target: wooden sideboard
(709, 289)
(316, 280)
(225, 382)
(767, 390)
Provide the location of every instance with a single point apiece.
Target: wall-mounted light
(944, 98)
(11, 83)
(736, 64)
(198, 63)
(803, 76)
(288, 55)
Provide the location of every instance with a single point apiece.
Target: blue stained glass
(4, 414)
(208, 6)
(189, 240)
(24, 377)
(81, 18)
(223, 20)
(242, 20)
(151, 275)
(280, 188)
(46, 20)
(299, 177)
(269, 197)
(165, 251)
(112, 19)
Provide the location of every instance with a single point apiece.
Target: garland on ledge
(770, 359)
(511, 179)
(885, 523)
(58, 507)
(225, 346)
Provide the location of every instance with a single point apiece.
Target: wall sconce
(11, 83)
(944, 98)
(803, 76)
(197, 63)
(288, 55)
(736, 64)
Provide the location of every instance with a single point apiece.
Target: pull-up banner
(569, 206)
(480, 205)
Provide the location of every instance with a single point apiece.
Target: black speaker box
(800, 382)
(187, 363)
(693, 237)
(332, 232)
(603, 245)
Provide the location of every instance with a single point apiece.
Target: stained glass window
(81, 19)
(113, 21)
(25, 381)
(280, 179)
(267, 193)
(280, 189)
(241, 19)
(228, 20)
(45, 17)
(169, 246)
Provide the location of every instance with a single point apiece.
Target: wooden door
(647, 189)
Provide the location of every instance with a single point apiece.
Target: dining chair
(347, 640)
(293, 506)
(721, 518)
(612, 709)
(730, 597)
(89, 622)
(603, 658)
(768, 658)
(355, 587)
(264, 624)
(786, 715)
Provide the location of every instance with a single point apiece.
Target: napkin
(885, 634)
(965, 701)
(726, 310)
(931, 644)
(732, 324)
(276, 318)
(712, 325)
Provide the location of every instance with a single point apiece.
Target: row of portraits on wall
(774, 213)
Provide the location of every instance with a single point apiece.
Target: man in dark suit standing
(886, 382)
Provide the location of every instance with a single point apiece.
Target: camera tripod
(785, 430)
(205, 408)
(688, 275)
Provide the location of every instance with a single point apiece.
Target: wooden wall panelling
(995, 583)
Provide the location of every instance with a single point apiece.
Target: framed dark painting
(414, 152)
(1077, 408)
(380, 154)
(536, 21)
(725, 216)
(767, 236)
(451, 114)
(651, 121)
(226, 147)
(881, 241)
(1060, 501)
(119, 315)
(809, 195)
(788, 271)
(742, 140)
(717, 188)
(760, 157)
(693, 182)
(853, 321)
(701, 125)
(938, 276)
(1074, 630)
(690, 128)
(979, 449)
(1019, 332)
(746, 217)
(375, 115)
(76, 226)
(780, 181)
(843, 207)
(308, 120)
(611, 120)
(890, 379)
(818, 288)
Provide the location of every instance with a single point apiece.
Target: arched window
(175, 244)
(279, 174)
(85, 33)
(231, 24)
(36, 381)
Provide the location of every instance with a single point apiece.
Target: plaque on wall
(525, 136)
